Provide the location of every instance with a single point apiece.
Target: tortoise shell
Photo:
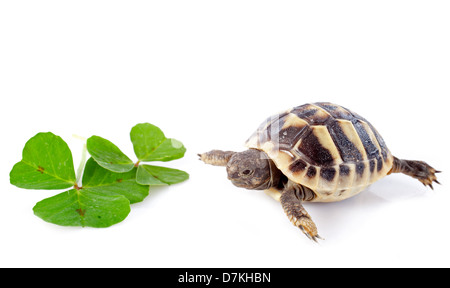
(326, 147)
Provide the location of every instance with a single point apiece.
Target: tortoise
(316, 152)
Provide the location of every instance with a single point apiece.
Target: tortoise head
(252, 169)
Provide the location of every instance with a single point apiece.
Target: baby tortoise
(318, 152)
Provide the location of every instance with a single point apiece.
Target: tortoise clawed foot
(417, 169)
(308, 228)
(427, 174)
(314, 238)
(216, 157)
(297, 214)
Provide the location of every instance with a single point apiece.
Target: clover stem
(81, 167)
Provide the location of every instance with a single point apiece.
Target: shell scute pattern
(348, 151)
(326, 147)
(311, 113)
(312, 149)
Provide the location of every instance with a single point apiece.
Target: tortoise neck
(275, 175)
(275, 178)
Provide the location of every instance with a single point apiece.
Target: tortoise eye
(246, 172)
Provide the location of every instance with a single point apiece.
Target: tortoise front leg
(216, 157)
(292, 205)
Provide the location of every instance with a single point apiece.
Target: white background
(207, 73)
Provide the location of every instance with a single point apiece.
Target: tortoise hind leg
(292, 205)
(416, 169)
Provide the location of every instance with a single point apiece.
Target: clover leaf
(156, 175)
(150, 144)
(110, 181)
(46, 164)
(108, 155)
(83, 207)
(97, 178)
